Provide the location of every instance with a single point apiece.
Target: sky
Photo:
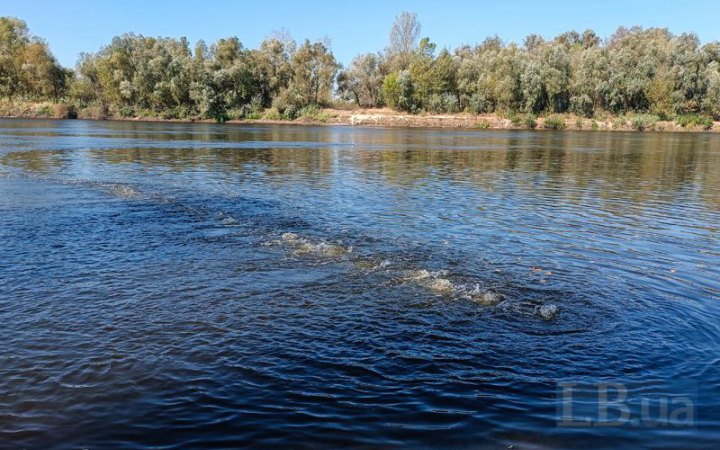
(354, 27)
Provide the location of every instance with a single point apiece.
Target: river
(209, 286)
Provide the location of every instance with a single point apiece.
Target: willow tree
(27, 67)
(313, 69)
(361, 83)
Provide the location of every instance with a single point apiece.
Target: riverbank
(386, 117)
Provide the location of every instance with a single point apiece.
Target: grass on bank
(314, 114)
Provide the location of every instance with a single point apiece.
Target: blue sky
(354, 27)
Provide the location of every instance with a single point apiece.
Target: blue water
(202, 286)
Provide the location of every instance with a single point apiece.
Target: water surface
(192, 285)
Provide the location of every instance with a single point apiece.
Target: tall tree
(404, 37)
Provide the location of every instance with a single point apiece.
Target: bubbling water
(305, 246)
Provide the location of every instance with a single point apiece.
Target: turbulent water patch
(302, 246)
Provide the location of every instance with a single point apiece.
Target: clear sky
(353, 27)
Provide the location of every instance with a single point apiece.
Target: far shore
(386, 117)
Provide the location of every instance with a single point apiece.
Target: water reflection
(628, 164)
(377, 287)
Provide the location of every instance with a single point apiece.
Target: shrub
(312, 112)
(126, 111)
(64, 111)
(287, 104)
(595, 126)
(168, 114)
(554, 123)
(582, 105)
(309, 111)
(619, 123)
(483, 124)
(290, 112)
(391, 90)
(272, 114)
(221, 117)
(695, 120)
(444, 103)
(44, 111)
(250, 110)
(478, 104)
(642, 122)
(95, 112)
(530, 121)
(235, 113)
(406, 101)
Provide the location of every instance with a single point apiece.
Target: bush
(595, 126)
(126, 111)
(168, 114)
(44, 111)
(312, 112)
(483, 125)
(619, 123)
(695, 120)
(554, 123)
(444, 103)
(290, 112)
(287, 104)
(514, 119)
(642, 122)
(582, 105)
(406, 101)
(272, 114)
(391, 90)
(65, 111)
(249, 111)
(478, 104)
(95, 112)
(530, 121)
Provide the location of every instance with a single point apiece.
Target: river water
(207, 286)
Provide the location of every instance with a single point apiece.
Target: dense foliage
(643, 71)
(27, 68)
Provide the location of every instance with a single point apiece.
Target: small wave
(432, 280)
(123, 191)
(439, 282)
(226, 219)
(548, 312)
(115, 189)
(441, 285)
(423, 274)
(371, 265)
(483, 297)
(304, 246)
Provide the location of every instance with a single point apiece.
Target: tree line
(634, 70)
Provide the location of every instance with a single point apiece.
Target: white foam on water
(432, 280)
(289, 237)
(548, 312)
(441, 285)
(423, 274)
(304, 246)
(483, 297)
(123, 191)
(370, 265)
(230, 221)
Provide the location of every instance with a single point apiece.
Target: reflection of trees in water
(629, 166)
(42, 162)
